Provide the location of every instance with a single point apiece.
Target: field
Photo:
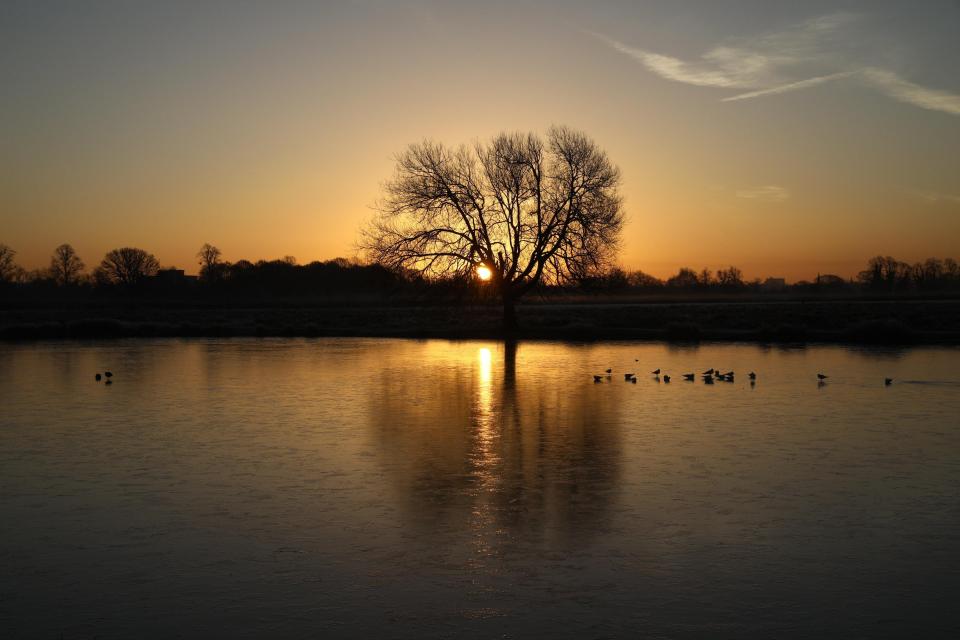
(825, 320)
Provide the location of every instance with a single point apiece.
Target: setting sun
(484, 273)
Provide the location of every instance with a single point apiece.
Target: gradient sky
(786, 138)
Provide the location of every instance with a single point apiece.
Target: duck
(598, 378)
(888, 381)
(666, 378)
(821, 377)
(109, 381)
(608, 371)
(97, 377)
(627, 376)
(655, 372)
(689, 376)
(109, 374)
(752, 375)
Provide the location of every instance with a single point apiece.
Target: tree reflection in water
(511, 458)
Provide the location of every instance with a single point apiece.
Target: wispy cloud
(896, 87)
(725, 67)
(787, 61)
(766, 193)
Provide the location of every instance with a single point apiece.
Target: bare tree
(126, 266)
(209, 256)
(9, 270)
(731, 278)
(518, 211)
(211, 268)
(65, 265)
(686, 278)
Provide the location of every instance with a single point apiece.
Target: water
(421, 489)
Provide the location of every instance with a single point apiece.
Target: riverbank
(842, 321)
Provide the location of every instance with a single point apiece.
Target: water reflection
(510, 456)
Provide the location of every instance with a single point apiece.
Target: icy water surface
(427, 489)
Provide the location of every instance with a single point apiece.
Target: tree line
(883, 274)
(134, 269)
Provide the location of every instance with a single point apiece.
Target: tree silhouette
(530, 210)
(686, 278)
(9, 271)
(126, 266)
(65, 265)
(731, 277)
(210, 266)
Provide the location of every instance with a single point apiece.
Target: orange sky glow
(270, 134)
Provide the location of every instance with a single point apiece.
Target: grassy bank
(865, 321)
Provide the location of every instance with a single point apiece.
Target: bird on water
(655, 372)
(820, 376)
(752, 375)
(888, 381)
(109, 374)
(689, 376)
(97, 377)
(666, 378)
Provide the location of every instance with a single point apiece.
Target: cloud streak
(792, 86)
(770, 65)
(932, 197)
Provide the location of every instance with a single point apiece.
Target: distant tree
(730, 278)
(951, 271)
(519, 210)
(685, 279)
(614, 279)
(705, 279)
(211, 268)
(208, 255)
(9, 271)
(884, 272)
(65, 265)
(291, 260)
(126, 266)
(640, 280)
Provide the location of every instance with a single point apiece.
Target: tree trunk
(509, 313)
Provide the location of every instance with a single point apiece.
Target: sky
(785, 138)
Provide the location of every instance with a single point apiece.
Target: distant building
(171, 278)
(773, 284)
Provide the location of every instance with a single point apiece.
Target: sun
(484, 273)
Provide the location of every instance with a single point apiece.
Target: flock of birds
(709, 377)
(106, 374)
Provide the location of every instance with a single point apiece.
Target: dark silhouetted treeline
(882, 275)
(134, 273)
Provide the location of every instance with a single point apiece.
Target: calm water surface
(379, 488)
